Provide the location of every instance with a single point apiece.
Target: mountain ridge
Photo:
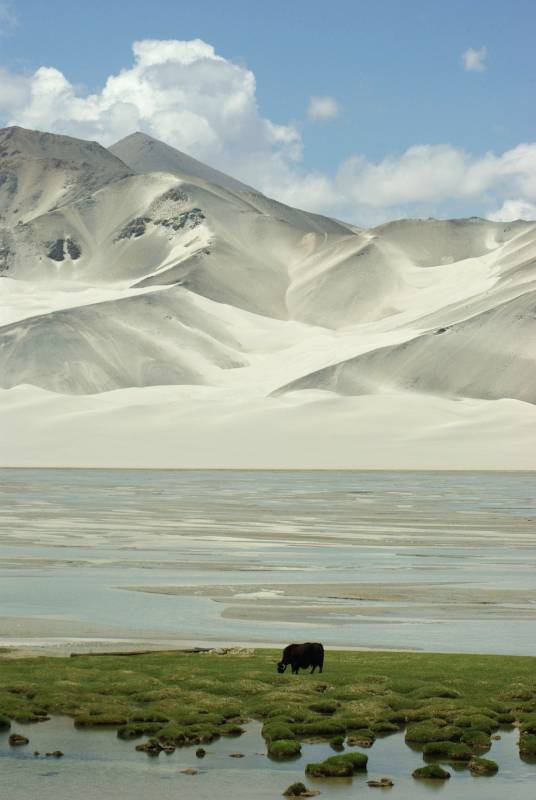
(143, 153)
(159, 271)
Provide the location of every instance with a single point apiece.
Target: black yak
(302, 656)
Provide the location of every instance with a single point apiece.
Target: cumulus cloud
(181, 92)
(323, 108)
(474, 60)
(425, 180)
(187, 95)
(514, 209)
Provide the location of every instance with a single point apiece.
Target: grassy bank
(449, 704)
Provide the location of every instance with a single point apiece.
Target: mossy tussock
(276, 729)
(5, 723)
(354, 722)
(337, 743)
(476, 740)
(343, 766)
(133, 730)
(284, 749)
(361, 738)
(527, 745)
(18, 740)
(324, 707)
(481, 722)
(527, 723)
(384, 726)
(432, 772)
(435, 690)
(483, 766)
(95, 718)
(432, 730)
(456, 698)
(299, 789)
(452, 751)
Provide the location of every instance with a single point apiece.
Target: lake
(113, 559)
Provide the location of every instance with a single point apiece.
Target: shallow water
(97, 764)
(74, 543)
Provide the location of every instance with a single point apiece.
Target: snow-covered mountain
(130, 276)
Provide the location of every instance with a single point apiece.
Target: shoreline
(439, 470)
(62, 647)
(66, 647)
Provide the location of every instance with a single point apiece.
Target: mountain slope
(489, 356)
(141, 276)
(145, 340)
(144, 154)
(40, 171)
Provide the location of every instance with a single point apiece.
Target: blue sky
(394, 71)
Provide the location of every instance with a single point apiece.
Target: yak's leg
(313, 669)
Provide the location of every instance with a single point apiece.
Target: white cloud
(181, 92)
(474, 60)
(323, 108)
(194, 99)
(425, 180)
(514, 209)
(14, 91)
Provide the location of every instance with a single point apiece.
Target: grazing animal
(302, 656)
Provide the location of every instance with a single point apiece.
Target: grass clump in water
(527, 723)
(453, 751)
(17, 740)
(433, 730)
(483, 766)
(299, 789)
(480, 722)
(231, 729)
(277, 729)
(95, 718)
(431, 772)
(476, 740)
(361, 738)
(527, 745)
(354, 722)
(342, 766)
(337, 743)
(133, 730)
(384, 726)
(284, 748)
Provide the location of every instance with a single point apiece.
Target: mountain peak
(40, 171)
(15, 140)
(143, 153)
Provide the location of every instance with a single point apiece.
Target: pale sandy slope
(167, 315)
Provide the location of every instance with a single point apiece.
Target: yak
(302, 656)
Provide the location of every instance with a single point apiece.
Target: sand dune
(489, 356)
(141, 271)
